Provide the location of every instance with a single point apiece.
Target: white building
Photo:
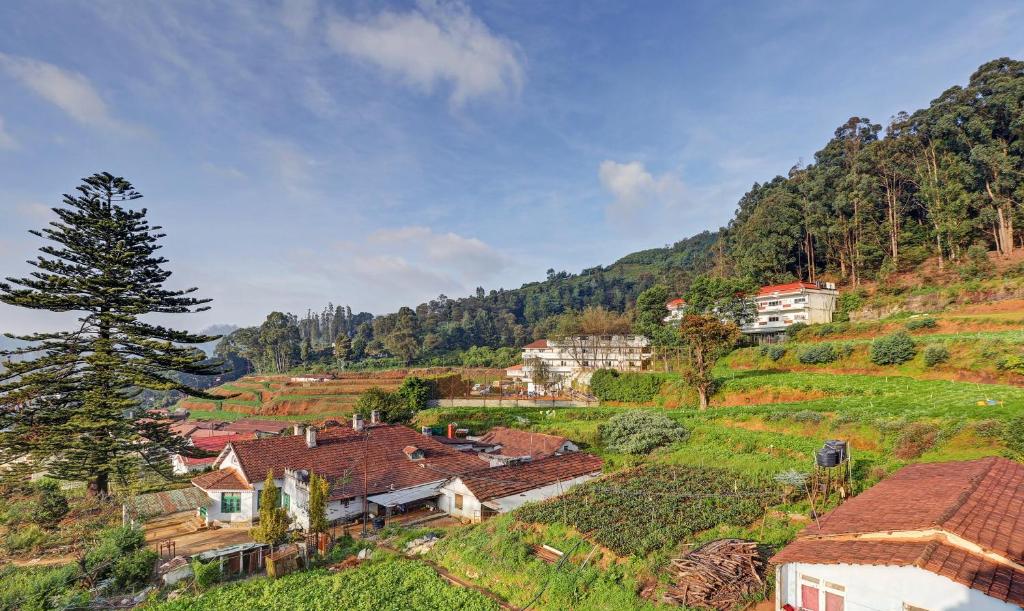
(781, 305)
(676, 310)
(568, 360)
(931, 537)
(480, 494)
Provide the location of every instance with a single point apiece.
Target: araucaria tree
(273, 526)
(706, 339)
(69, 399)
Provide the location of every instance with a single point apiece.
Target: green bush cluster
(800, 416)
(773, 351)
(817, 354)
(915, 324)
(612, 385)
(133, 570)
(24, 539)
(38, 588)
(894, 349)
(1013, 363)
(989, 428)
(485, 356)
(51, 503)
(205, 574)
(935, 354)
(639, 432)
(116, 546)
(1013, 434)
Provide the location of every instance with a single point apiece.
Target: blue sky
(307, 151)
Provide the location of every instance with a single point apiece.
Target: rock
(143, 595)
(364, 554)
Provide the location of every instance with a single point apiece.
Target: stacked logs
(717, 575)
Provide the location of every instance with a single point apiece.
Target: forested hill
(944, 183)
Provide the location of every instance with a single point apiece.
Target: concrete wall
(474, 402)
(471, 509)
(886, 588)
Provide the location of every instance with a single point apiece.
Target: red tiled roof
(342, 455)
(209, 433)
(515, 442)
(675, 303)
(497, 482)
(994, 579)
(213, 444)
(519, 366)
(980, 501)
(540, 343)
(222, 479)
(252, 425)
(786, 288)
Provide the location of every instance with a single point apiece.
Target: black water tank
(840, 447)
(827, 457)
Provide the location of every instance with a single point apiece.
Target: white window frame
(824, 587)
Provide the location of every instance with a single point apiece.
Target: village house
(676, 310)
(781, 305)
(553, 365)
(479, 494)
(211, 444)
(931, 537)
(505, 445)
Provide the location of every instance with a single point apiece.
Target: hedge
(612, 385)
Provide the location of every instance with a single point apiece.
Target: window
(800, 300)
(286, 500)
(774, 303)
(458, 501)
(773, 319)
(230, 502)
(820, 595)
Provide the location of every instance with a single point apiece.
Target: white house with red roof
(574, 358)
(676, 309)
(208, 444)
(781, 305)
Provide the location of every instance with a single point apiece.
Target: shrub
(773, 351)
(892, 349)
(25, 539)
(611, 385)
(793, 331)
(935, 354)
(807, 416)
(113, 543)
(1013, 434)
(51, 505)
(976, 265)
(205, 574)
(639, 432)
(1013, 363)
(393, 407)
(817, 354)
(990, 429)
(133, 570)
(915, 324)
(915, 439)
(31, 588)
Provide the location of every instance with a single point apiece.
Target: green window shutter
(230, 502)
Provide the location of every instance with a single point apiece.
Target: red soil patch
(766, 395)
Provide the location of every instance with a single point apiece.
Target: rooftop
(497, 482)
(222, 479)
(540, 343)
(515, 442)
(790, 287)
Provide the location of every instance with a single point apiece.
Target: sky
(301, 152)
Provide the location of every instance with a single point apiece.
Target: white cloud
(635, 188)
(469, 259)
(67, 90)
(7, 141)
(298, 15)
(434, 43)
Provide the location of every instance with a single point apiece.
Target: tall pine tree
(69, 403)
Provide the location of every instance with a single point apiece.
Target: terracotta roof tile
(343, 455)
(515, 442)
(221, 479)
(486, 484)
(213, 445)
(252, 425)
(785, 288)
(540, 343)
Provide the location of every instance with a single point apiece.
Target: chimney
(357, 422)
(426, 430)
(375, 417)
(311, 437)
(298, 428)
(451, 430)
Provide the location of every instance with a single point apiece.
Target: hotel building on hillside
(569, 359)
(781, 305)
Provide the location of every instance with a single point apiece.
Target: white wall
(245, 515)
(887, 588)
(471, 508)
(508, 503)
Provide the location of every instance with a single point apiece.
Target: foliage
(976, 264)
(1013, 435)
(319, 490)
(627, 387)
(915, 439)
(639, 432)
(894, 349)
(51, 503)
(393, 407)
(274, 520)
(773, 351)
(112, 544)
(793, 330)
(485, 356)
(40, 588)
(389, 584)
(416, 391)
(706, 339)
(848, 301)
(925, 322)
(25, 539)
(935, 354)
(654, 506)
(71, 389)
(205, 574)
(1012, 362)
(816, 354)
(726, 297)
(133, 570)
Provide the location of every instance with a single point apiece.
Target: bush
(25, 539)
(793, 331)
(51, 505)
(113, 544)
(1013, 434)
(133, 570)
(893, 349)
(773, 351)
(916, 439)
(32, 588)
(817, 354)
(976, 265)
(989, 429)
(935, 354)
(205, 574)
(393, 407)
(639, 432)
(926, 322)
(611, 385)
(1013, 363)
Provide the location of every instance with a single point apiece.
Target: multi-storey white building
(676, 309)
(566, 360)
(781, 305)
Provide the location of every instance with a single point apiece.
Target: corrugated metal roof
(167, 502)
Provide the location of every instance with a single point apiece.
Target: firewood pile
(716, 575)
